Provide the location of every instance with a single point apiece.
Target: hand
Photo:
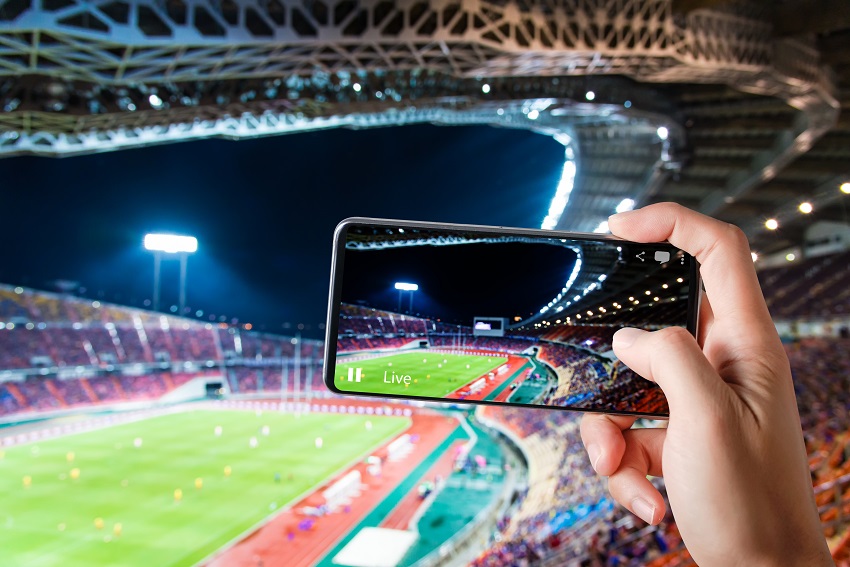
(732, 454)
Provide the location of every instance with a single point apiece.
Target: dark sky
(263, 210)
(459, 282)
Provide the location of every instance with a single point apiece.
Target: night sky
(263, 210)
(458, 282)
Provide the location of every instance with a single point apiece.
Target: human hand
(732, 454)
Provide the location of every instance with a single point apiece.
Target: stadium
(137, 428)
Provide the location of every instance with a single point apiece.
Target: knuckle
(736, 236)
(673, 337)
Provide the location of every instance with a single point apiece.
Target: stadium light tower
(161, 244)
(402, 287)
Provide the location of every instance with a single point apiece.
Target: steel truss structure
(79, 76)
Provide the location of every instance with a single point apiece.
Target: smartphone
(496, 315)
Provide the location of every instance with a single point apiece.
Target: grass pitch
(432, 374)
(53, 521)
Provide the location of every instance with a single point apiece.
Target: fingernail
(594, 452)
(625, 337)
(619, 216)
(643, 509)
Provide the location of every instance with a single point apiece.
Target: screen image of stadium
(453, 314)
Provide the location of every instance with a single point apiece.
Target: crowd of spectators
(810, 288)
(271, 379)
(821, 370)
(563, 493)
(358, 321)
(58, 351)
(45, 330)
(354, 344)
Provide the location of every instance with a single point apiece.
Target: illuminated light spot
(754, 256)
(590, 95)
(806, 208)
(844, 187)
(356, 87)
(647, 292)
(485, 88)
(533, 115)
(680, 280)
(790, 256)
(664, 286)
(625, 205)
(771, 224)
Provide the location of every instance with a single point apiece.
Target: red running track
(270, 545)
(514, 363)
(506, 393)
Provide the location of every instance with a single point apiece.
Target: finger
(629, 485)
(602, 436)
(672, 358)
(722, 250)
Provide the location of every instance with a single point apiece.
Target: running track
(269, 546)
(514, 363)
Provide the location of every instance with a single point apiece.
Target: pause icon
(354, 374)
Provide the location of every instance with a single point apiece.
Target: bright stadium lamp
(171, 243)
(160, 244)
(402, 287)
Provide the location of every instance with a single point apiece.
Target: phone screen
(503, 316)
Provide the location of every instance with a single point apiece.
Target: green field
(52, 522)
(432, 374)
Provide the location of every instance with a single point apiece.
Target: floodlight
(625, 205)
(401, 286)
(662, 132)
(171, 243)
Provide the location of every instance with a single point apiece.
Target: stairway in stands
(89, 390)
(54, 391)
(18, 395)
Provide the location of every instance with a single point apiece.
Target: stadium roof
(749, 95)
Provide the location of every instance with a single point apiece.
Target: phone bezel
(335, 292)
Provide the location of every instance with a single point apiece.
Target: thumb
(672, 359)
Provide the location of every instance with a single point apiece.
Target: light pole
(402, 287)
(161, 244)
